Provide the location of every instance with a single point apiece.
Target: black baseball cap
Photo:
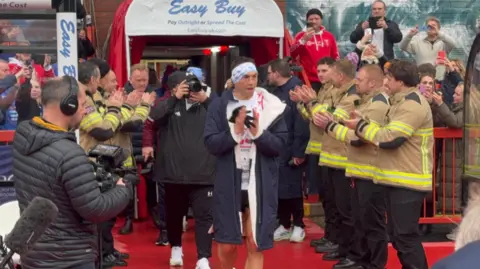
(314, 11)
(177, 77)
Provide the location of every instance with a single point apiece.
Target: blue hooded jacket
(263, 191)
(465, 258)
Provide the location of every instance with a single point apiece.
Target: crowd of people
(360, 129)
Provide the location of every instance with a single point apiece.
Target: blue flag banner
(7, 192)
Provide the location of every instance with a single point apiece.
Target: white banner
(25, 4)
(204, 17)
(67, 50)
(67, 47)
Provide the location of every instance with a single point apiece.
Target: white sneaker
(185, 223)
(453, 234)
(176, 258)
(298, 235)
(203, 264)
(281, 234)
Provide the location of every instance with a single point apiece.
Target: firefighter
(404, 162)
(368, 198)
(333, 157)
(106, 122)
(315, 172)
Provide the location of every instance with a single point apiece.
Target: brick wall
(105, 11)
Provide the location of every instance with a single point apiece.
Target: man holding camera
(184, 165)
(104, 123)
(385, 33)
(66, 178)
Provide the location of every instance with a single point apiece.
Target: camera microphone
(33, 222)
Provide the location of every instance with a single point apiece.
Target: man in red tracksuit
(313, 44)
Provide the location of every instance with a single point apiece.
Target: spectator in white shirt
(425, 49)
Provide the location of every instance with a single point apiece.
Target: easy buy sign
(204, 17)
(25, 4)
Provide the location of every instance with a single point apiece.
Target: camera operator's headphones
(69, 104)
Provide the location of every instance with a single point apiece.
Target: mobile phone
(309, 24)
(423, 28)
(372, 22)
(368, 31)
(442, 55)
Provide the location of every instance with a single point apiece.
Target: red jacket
(42, 74)
(150, 128)
(322, 44)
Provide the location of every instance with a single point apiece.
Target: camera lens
(194, 85)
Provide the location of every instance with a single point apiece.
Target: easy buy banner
(25, 4)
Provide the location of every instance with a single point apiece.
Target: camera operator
(66, 178)
(184, 165)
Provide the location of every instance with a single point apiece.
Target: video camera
(108, 167)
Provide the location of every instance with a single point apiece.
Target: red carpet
(145, 255)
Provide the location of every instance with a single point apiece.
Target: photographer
(66, 178)
(183, 164)
(385, 33)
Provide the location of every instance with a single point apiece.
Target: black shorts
(244, 201)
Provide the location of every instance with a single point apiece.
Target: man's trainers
(281, 234)
(176, 258)
(318, 242)
(162, 239)
(202, 264)
(453, 234)
(298, 235)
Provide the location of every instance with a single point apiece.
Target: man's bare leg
(254, 257)
(227, 254)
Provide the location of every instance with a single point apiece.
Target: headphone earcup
(69, 105)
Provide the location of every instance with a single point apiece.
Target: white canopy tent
(249, 18)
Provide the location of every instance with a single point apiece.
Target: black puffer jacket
(48, 163)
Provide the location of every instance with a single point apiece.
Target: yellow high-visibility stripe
(90, 120)
(126, 113)
(334, 160)
(113, 120)
(401, 127)
(341, 133)
(142, 111)
(304, 112)
(319, 108)
(128, 163)
(414, 180)
(425, 153)
(370, 132)
(360, 170)
(313, 147)
(340, 113)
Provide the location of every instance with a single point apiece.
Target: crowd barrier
(442, 205)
